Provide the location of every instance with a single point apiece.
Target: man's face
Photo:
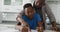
(29, 11)
(38, 3)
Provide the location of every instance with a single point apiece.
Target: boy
(31, 19)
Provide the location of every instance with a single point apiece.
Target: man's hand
(54, 27)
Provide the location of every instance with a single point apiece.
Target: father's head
(39, 3)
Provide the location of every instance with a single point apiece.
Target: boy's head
(29, 11)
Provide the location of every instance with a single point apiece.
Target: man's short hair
(27, 5)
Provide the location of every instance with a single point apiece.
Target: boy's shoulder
(36, 14)
(24, 16)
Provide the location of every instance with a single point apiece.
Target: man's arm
(20, 15)
(19, 18)
(50, 15)
(22, 22)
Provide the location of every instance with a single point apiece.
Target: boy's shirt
(32, 22)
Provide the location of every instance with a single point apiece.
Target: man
(32, 19)
(41, 8)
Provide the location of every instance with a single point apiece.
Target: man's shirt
(32, 22)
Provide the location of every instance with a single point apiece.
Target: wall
(9, 12)
(55, 6)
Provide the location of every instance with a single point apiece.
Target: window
(17, 2)
(7, 2)
(13, 2)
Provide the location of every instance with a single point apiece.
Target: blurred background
(10, 8)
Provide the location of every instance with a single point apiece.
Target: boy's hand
(39, 29)
(40, 24)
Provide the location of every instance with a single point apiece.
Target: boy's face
(29, 12)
